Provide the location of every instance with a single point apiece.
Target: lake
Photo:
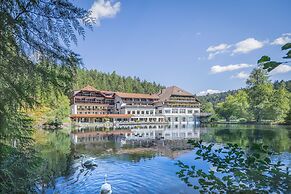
(140, 159)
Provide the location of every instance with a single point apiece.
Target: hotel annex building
(170, 105)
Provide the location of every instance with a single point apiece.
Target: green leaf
(269, 66)
(288, 55)
(286, 46)
(198, 152)
(264, 59)
(268, 160)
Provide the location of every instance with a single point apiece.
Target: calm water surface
(140, 159)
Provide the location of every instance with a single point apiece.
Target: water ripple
(146, 176)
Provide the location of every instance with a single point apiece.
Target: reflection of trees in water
(276, 137)
(55, 152)
(137, 156)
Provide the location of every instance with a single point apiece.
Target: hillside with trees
(217, 97)
(220, 97)
(114, 82)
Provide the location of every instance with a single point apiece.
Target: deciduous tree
(260, 91)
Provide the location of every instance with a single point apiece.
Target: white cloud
(241, 75)
(248, 45)
(219, 47)
(244, 46)
(215, 50)
(209, 91)
(281, 69)
(219, 69)
(212, 55)
(104, 9)
(286, 34)
(284, 39)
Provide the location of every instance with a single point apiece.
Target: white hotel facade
(177, 105)
(171, 105)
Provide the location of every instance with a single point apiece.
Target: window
(151, 112)
(190, 111)
(138, 112)
(176, 119)
(133, 112)
(147, 112)
(142, 112)
(128, 112)
(175, 111)
(184, 119)
(168, 111)
(182, 111)
(160, 111)
(169, 119)
(196, 111)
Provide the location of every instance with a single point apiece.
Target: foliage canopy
(235, 170)
(35, 59)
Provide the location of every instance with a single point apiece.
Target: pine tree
(35, 58)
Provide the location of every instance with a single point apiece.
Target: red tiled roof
(89, 88)
(136, 95)
(173, 90)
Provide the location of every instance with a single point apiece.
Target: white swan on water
(106, 187)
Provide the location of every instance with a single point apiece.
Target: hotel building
(90, 105)
(91, 101)
(177, 105)
(172, 104)
(141, 106)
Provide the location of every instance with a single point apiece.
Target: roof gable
(173, 90)
(178, 91)
(89, 88)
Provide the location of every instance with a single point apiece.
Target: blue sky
(198, 45)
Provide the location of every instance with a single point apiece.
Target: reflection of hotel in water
(136, 132)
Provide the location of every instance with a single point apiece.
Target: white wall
(74, 109)
(169, 111)
(141, 110)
